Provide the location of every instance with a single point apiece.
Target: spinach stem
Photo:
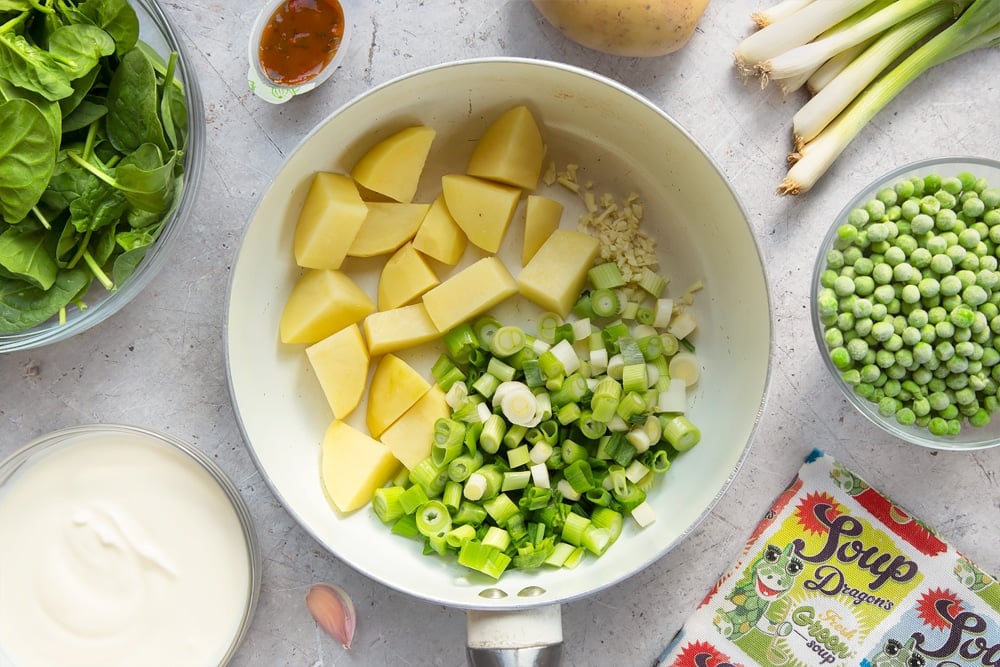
(41, 217)
(98, 273)
(92, 169)
(79, 251)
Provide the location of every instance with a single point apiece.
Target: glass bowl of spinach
(102, 145)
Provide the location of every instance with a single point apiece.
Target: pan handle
(525, 638)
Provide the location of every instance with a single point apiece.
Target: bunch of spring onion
(854, 57)
(553, 439)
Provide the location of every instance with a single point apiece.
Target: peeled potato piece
(555, 275)
(483, 209)
(510, 151)
(322, 302)
(330, 218)
(353, 465)
(439, 236)
(387, 226)
(470, 292)
(405, 276)
(392, 167)
(340, 362)
(541, 218)
(395, 387)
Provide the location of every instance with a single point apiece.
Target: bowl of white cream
(122, 546)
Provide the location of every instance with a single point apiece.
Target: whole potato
(635, 28)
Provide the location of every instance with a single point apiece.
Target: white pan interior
(622, 143)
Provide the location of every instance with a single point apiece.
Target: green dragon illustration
(767, 580)
(895, 654)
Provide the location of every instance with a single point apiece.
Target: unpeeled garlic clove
(333, 610)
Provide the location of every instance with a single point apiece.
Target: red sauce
(299, 40)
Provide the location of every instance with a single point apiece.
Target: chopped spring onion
(551, 440)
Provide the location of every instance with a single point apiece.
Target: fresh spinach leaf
(146, 180)
(82, 87)
(49, 109)
(79, 48)
(133, 112)
(117, 17)
(84, 115)
(23, 305)
(127, 262)
(27, 66)
(25, 254)
(97, 206)
(27, 157)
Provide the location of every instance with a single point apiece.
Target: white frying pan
(622, 143)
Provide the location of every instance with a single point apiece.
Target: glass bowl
(156, 30)
(122, 542)
(950, 365)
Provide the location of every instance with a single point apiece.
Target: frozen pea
(980, 418)
(910, 294)
(945, 219)
(904, 189)
(974, 295)
(864, 285)
(857, 348)
(840, 357)
(875, 209)
(894, 343)
(845, 321)
(910, 336)
(896, 371)
(863, 326)
(946, 199)
(884, 294)
(902, 272)
(950, 285)
(990, 197)
(905, 416)
(877, 232)
(847, 233)
(990, 357)
(965, 395)
(952, 184)
(920, 407)
(928, 287)
(851, 255)
(961, 333)
(904, 357)
(920, 223)
(965, 349)
(936, 244)
(851, 376)
(938, 426)
(858, 217)
(862, 308)
(973, 207)
(987, 279)
(827, 277)
(843, 285)
(969, 238)
(884, 358)
(956, 381)
(962, 317)
(847, 272)
(882, 330)
(970, 262)
(826, 303)
(930, 205)
(888, 406)
(966, 277)
(956, 252)
(917, 318)
(939, 400)
(863, 266)
(927, 333)
(894, 255)
(833, 337)
(834, 259)
(937, 314)
(941, 264)
(944, 350)
(952, 301)
(920, 258)
(988, 262)
(870, 373)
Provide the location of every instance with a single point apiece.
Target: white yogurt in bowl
(122, 547)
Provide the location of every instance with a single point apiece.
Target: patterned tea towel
(835, 574)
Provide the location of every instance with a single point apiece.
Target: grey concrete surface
(160, 363)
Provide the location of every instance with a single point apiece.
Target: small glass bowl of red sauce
(295, 45)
